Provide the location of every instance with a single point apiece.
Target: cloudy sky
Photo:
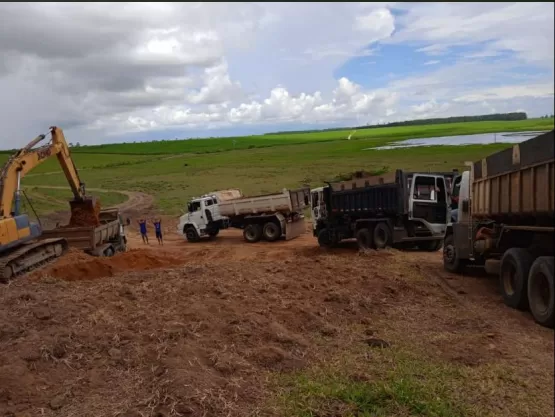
(108, 72)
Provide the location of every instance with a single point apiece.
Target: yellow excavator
(21, 248)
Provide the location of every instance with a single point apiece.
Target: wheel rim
(540, 293)
(271, 231)
(449, 254)
(190, 234)
(250, 234)
(509, 273)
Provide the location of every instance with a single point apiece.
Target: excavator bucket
(85, 212)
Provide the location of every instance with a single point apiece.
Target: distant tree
(70, 144)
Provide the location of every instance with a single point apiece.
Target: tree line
(420, 122)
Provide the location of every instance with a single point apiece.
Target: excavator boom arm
(29, 158)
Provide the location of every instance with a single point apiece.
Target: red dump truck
(504, 221)
(103, 240)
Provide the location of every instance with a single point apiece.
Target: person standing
(158, 230)
(142, 228)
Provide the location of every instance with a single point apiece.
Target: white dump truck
(269, 217)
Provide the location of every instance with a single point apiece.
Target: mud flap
(295, 228)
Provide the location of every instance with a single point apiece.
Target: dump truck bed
(286, 202)
(88, 238)
(517, 184)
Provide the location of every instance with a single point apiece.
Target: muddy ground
(203, 329)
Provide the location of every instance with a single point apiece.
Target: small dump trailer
(400, 208)
(269, 217)
(103, 240)
(504, 221)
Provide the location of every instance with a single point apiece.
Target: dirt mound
(77, 265)
(361, 174)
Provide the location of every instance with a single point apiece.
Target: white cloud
(154, 66)
(544, 90)
(524, 28)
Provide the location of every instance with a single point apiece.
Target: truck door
(211, 210)
(195, 213)
(317, 205)
(428, 199)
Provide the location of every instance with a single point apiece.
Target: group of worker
(157, 230)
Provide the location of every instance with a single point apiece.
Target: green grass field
(377, 135)
(174, 171)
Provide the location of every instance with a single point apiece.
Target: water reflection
(479, 139)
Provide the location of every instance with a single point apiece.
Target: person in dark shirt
(142, 228)
(158, 230)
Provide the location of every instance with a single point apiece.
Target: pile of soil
(77, 265)
(361, 174)
(85, 214)
(204, 339)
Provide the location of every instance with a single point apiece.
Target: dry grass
(285, 336)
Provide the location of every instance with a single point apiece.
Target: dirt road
(205, 329)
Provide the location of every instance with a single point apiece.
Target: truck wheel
(541, 291)
(109, 252)
(271, 232)
(451, 260)
(381, 236)
(191, 234)
(513, 277)
(252, 233)
(324, 239)
(364, 239)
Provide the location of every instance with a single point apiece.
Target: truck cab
(407, 207)
(317, 206)
(202, 219)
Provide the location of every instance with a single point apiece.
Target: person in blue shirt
(142, 228)
(158, 230)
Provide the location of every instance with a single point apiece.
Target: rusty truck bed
(517, 182)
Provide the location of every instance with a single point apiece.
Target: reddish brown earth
(85, 214)
(198, 329)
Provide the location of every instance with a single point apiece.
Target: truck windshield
(315, 200)
(193, 206)
(425, 188)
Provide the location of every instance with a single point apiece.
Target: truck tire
(191, 234)
(109, 252)
(252, 233)
(541, 291)
(451, 260)
(324, 239)
(381, 235)
(513, 277)
(271, 231)
(364, 239)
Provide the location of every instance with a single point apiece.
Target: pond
(479, 139)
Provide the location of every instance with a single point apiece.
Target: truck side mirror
(465, 206)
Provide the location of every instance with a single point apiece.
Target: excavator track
(30, 256)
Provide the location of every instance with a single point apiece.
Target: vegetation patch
(400, 386)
